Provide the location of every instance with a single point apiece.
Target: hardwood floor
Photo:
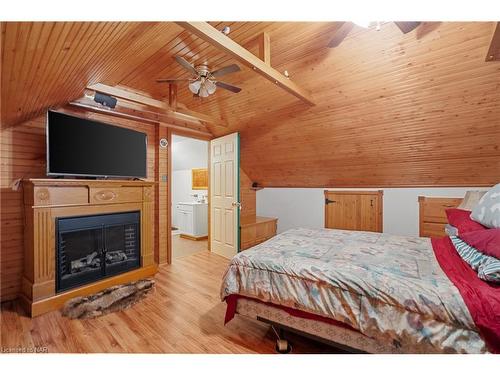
(183, 315)
(182, 247)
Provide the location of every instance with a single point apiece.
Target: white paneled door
(224, 195)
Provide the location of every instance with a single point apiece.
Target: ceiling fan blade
(406, 27)
(227, 86)
(186, 65)
(173, 80)
(340, 34)
(226, 70)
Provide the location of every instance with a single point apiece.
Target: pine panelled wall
(23, 156)
(247, 198)
(391, 109)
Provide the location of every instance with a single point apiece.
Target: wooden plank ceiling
(392, 109)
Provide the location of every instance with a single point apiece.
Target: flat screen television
(81, 147)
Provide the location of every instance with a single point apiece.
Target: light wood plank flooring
(182, 247)
(184, 315)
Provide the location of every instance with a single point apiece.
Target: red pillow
(461, 220)
(486, 241)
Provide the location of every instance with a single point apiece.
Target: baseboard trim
(193, 238)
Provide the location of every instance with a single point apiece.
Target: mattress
(389, 288)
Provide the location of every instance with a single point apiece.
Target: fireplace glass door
(90, 248)
(120, 244)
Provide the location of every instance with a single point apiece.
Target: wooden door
(224, 195)
(342, 211)
(352, 210)
(370, 213)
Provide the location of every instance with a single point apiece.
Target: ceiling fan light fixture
(194, 86)
(203, 91)
(211, 87)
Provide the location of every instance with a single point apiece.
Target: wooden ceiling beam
(263, 42)
(340, 34)
(165, 107)
(129, 111)
(128, 95)
(213, 36)
(172, 96)
(407, 27)
(494, 50)
(265, 48)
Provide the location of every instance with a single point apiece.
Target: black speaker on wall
(104, 99)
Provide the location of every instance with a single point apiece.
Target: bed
(369, 292)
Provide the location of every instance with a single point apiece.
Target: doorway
(189, 192)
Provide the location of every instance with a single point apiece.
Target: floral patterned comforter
(390, 288)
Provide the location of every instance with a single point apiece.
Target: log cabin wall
(23, 150)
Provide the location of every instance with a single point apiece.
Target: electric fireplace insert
(90, 248)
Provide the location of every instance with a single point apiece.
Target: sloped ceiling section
(392, 109)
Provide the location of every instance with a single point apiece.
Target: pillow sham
(488, 268)
(471, 199)
(487, 211)
(461, 220)
(486, 241)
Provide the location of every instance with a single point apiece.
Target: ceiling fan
(204, 82)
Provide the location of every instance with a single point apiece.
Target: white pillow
(487, 211)
(471, 199)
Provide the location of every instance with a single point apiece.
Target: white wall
(187, 153)
(304, 207)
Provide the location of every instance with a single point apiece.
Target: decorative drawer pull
(106, 195)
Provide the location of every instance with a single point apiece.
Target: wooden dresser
(432, 215)
(256, 230)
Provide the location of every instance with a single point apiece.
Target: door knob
(236, 204)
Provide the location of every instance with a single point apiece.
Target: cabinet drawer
(433, 230)
(247, 236)
(185, 207)
(115, 195)
(54, 195)
(259, 231)
(434, 209)
(265, 231)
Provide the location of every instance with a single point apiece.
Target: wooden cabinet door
(342, 211)
(353, 210)
(369, 217)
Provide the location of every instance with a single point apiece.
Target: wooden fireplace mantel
(48, 199)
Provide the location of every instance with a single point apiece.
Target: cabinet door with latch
(341, 211)
(351, 210)
(369, 213)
